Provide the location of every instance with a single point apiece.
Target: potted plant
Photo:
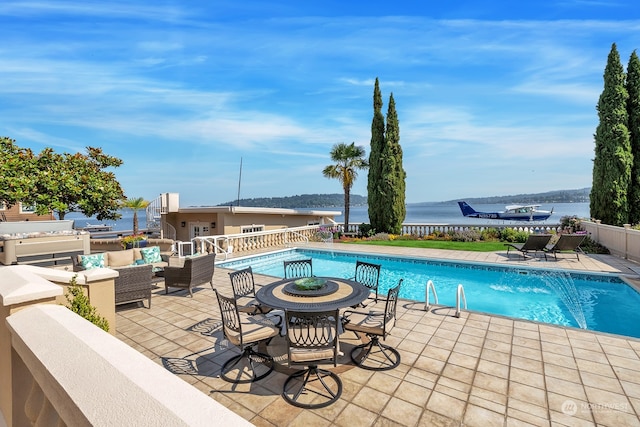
(134, 241)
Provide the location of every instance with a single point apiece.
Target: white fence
(621, 241)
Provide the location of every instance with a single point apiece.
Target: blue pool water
(601, 302)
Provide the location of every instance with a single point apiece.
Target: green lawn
(438, 244)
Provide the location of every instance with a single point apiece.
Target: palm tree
(349, 158)
(135, 205)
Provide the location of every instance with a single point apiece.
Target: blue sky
(493, 97)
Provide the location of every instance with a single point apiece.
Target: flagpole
(239, 181)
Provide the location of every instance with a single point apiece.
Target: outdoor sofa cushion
(120, 259)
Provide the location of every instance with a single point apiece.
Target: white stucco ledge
(92, 378)
(19, 284)
(63, 276)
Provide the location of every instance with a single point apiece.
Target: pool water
(598, 302)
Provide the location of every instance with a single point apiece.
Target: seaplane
(511, 213)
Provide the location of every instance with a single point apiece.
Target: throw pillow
(151, 255)
(92, 261)
(139, 262)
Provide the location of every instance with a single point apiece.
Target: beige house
(202, 221)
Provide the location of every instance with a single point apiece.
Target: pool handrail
(431, 286)
(460, 295)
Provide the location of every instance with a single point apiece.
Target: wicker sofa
(134, 282)
(196, 270)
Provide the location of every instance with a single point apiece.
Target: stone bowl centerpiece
(311, 286)
(310, 283)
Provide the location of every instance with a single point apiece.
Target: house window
(27, 209)
(251, 228)
(3, 206)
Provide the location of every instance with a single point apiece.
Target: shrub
(365, 230)
(490, 234)
(79, 304)
(465, 235)
(570, 224)
(592, 247)
(380, 236)
(512, 236)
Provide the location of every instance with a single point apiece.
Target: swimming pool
(601, 302)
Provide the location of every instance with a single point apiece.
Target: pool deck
(476, 370)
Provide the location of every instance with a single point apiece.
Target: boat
(93, 228)
(511, 213)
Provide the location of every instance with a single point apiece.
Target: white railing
(243, 242)
(422, 230)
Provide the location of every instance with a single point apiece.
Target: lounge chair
(534, 243)
(566, 243)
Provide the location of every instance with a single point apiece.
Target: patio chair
(311, 338)
(375, 324)
(534, 243)
(244, 291)
(245, 331)
(368, 275)
(566, 243)
(298, 268)
(195, 271)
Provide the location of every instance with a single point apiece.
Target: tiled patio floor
(477, 370)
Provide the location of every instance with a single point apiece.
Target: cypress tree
(393, 156)
(375, 192)
(633, 109)
(612, 161)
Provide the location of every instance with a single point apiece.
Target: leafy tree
(135, 205)
(17, 172)
(394, 172)
(349, 159)
(77, 183)
(633, 109)
(375, 183)
(613, 159)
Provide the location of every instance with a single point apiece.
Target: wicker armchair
(134, 284)
(196, 271)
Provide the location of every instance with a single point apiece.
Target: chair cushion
(151, 255)
(367, 323)
(254, 328)
(92, 261)
(301, 355)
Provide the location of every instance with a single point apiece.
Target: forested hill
(308, 201)
(559, 196)
(300, 201)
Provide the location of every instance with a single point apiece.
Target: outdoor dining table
(330, 293)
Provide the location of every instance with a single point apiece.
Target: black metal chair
(245, 331)
(312, 337)
(368, 275)
(298, 268)
(376, 324)
(244, 291)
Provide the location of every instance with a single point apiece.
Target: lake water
(432, 213)
(449, 213)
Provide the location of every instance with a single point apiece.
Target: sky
(492, 97)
